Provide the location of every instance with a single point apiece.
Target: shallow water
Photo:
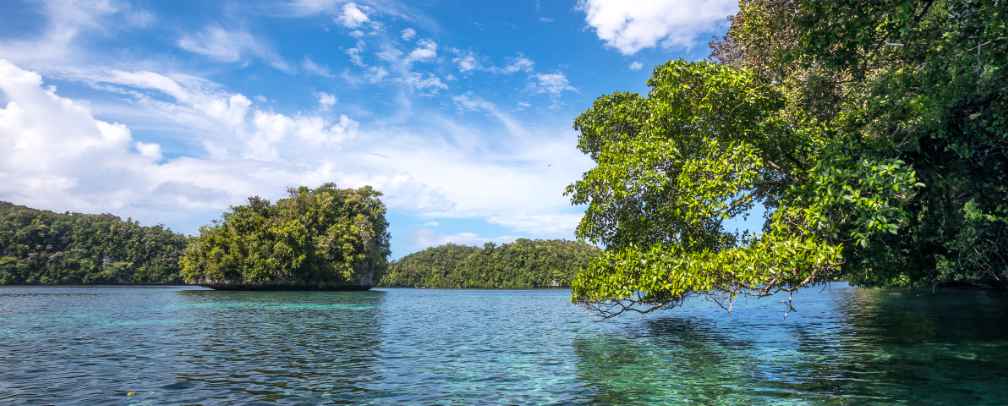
(142, 345)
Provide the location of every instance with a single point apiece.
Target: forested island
(44, 247)
(522, 264)
(322, 238)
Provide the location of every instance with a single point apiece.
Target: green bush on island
(875, 136)
(44, 247)
(523, 264)
(323, 238)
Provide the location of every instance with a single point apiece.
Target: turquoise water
(141, 345)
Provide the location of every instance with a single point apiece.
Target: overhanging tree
(873, 134)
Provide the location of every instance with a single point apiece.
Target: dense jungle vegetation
(874, 135)
(43, 247)
(322, 238)
(522, 264)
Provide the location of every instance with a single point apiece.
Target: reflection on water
(857, 347)
(178, 346)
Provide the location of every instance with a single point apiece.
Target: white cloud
(302, 8)
(408, 34)
(149, 150)
(65, 22)
(63, 154)
(469, 102)
(326, 101)
(224, 45)
(466, 62)
(551, 83)
(56, 154)
(421, 81)
(352, 16)
(425, 51)
(356, 56)
(519, 64)
(424, 238)
(311, 67)
(636, 65)
(630, 26)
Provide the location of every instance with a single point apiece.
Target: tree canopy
(43, 247)
(523, 264)
(873, 134)
(323, 238)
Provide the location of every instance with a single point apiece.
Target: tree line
(44, 247)
(521, 264)
(321, 238)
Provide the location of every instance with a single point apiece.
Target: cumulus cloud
(466, 62)
(56, 154)
(425, 51)
(630, 26)
(149, 150)
(326, 101)
(636, 65)
(225, 45)
(352, 16)
(551, 83)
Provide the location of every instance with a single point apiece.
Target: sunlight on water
(176, 346)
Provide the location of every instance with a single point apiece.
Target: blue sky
(460, 112)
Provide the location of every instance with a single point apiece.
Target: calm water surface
(126, 345)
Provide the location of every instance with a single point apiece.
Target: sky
(459, 112)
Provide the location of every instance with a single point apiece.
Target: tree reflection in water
(863, 346)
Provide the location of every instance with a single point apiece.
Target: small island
(325, 238)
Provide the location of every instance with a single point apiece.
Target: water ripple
(182, 346)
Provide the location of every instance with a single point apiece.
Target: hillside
(519, 265)
(44, 247)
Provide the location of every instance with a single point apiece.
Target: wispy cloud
(424, 238)
(230, 45)
(314, 68)
(407, 34)
(421, 165)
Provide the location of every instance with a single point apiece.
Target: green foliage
(523, 264)
(315, 238)
(43, 247)
(874, 133)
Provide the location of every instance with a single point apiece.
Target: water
(126, 345)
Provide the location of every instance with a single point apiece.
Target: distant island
(523, 264)
(41, 247)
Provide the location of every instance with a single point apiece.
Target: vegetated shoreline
(522, 264)
(99, 285)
